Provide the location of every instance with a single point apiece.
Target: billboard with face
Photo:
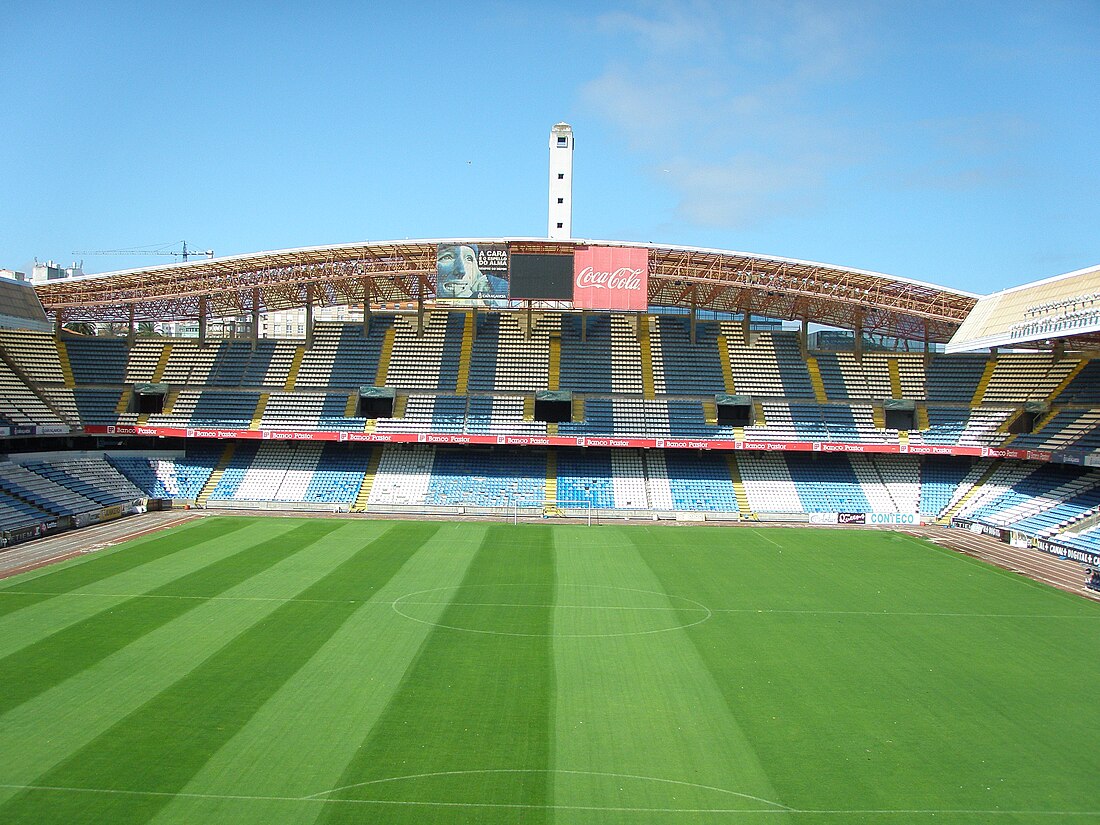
(614, 278)
(471, 274)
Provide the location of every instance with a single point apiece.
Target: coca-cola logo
(625, 277)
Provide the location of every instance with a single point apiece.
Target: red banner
(604, 441)
(611, 277)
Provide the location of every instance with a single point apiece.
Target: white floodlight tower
(560, 223)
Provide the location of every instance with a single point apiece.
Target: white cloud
(725, 102)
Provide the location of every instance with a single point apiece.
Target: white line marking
(551, 770)
(912, 613)
(529, 806)
(768, 540)
(698, 607)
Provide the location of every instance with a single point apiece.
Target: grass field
(283, 670)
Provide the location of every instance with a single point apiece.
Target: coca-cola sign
(607, 277)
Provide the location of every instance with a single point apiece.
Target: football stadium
(547, 530)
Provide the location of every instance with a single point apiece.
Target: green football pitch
(284, 670)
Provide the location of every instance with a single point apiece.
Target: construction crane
(185, 253)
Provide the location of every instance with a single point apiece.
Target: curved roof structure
(394, 271)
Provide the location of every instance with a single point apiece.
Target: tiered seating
(239, 364)
(626, 355)
(430, 361)
(43, 493)
(487, 478)
(1076, 429)
(1022, 377)
(893, 491)
(19, 404)
(276, 471)
(500, 416)
(188, 363)
(658, 488)
(308, 411)
(1084, 388)
(341, 357)
(403, 475)
(35, 353)
(93, 478)
(586, 365)
(171, 478)
(772, 364)
(97, 360)
(826, 484)
(503, 359)
(584, 479)
(975, 427)
(940, 478)
(338, 475)
(16, 513)
(141, 363)
(227, 485)
(954, 378)
(1004, 478)
(700, 481)
(819, 422)
(628, 480)
(683, 368)
(768, 483)
(1026, 495)
(224, 409)
(844, 377)
(95, 406)
(911, 374)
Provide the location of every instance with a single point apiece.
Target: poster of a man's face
(467, 273)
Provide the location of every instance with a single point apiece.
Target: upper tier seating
(683, 368)
(771, 364)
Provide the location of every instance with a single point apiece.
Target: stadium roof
(1065, 308)
(396, 271)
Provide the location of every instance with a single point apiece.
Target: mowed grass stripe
(40, 585)
(44, 731)
(217, 698)
(902, 712)
(348, 684)
(473, 701)
(640, 721)
(60, 656)
(62, 610)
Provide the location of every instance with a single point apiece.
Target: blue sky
(951, 142)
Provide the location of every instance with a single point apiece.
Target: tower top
(560, 221)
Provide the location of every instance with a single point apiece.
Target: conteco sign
(610, 277)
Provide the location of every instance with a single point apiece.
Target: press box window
(563, 142)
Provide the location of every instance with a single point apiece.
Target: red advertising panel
(606, 277)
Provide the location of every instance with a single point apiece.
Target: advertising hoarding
(611, 278)
(471, 274)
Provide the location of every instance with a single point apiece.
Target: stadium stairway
(895, 377)
(554, 380)
(816, 380)
(528, 408)
(465, 355)
(983, 382)
(124, 401)
(727, 367)
(216, 475)
(550, 491)
(384, 356)
(66, 367)
(258, 413)
(710, 412)
(743, 506)
(295, 366)
(948, 514)
(162, 362)
(363, 496)
(647, 357)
